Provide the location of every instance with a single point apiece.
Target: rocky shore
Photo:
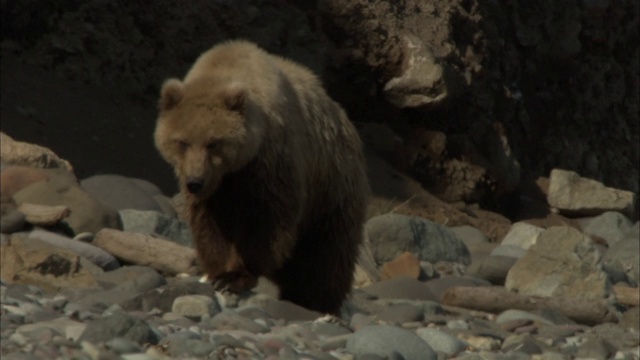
(102, 268)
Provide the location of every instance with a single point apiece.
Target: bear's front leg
(235, 277)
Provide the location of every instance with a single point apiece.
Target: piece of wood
(495, 299)
(627, 295)
(160, 254)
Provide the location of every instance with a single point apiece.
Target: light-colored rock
(30, 261)
(611, 226)
(195, 306)
(514, 251)
(575, 195)
(384, 341)
(392, 234)
(43, 215)
(406, 264)
(361, 278)
(421, 82)
(622, 261)
(564, 262)
(154, 222)
(87, 214)
(522, 234)
(21, 153)
(141, 249)
(14, 178)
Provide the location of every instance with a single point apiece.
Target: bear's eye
(183, 145)
(214, 144)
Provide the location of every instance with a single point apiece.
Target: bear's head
(207, 128)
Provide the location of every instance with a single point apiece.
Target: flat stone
(564, 262)
(522, 234)
(384, 340)
(575, 195)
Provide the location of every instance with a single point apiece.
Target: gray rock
(514, 315)
(441, 341)
(123, 346)
(564, 262)
(119, 325)
(522, 234)
(154, 222)
(400, 313)
(162, 297)
(611, 226)
(392, 234)
(622, 261)
(492, 268)
(402, 287)
(228, 319)
(113, 278)
(195, 306)
(119, 192)
(281, 309)
(594, 348)
(92, 253)
(619, 337)
(180, 347)
(574, 195)
(514, 251)
(469, 234)
(144, 281)
(383, 340)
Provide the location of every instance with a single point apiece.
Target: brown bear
(272, 172)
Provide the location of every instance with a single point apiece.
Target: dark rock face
(513, 89)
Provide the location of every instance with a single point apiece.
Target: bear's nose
(194, 186)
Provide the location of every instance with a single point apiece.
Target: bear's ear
(235, 97)
(171, 94)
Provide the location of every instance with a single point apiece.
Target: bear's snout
(194, 185)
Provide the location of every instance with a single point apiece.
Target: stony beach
(103, 268)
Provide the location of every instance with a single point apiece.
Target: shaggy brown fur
(272, 171)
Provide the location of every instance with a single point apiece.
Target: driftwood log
(627, 295)
(495, 299)
(160, 254)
